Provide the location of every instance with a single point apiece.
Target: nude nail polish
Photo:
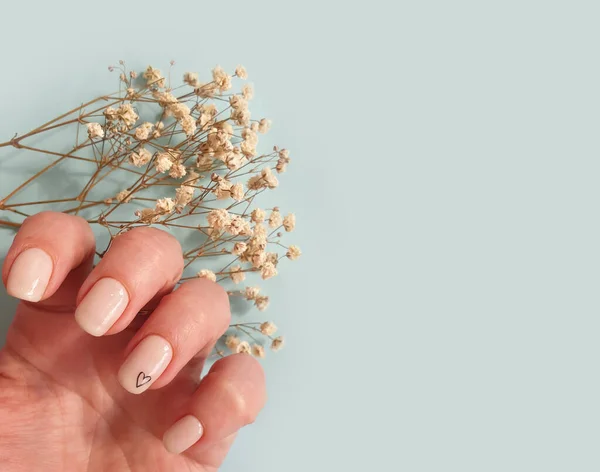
(183, 434)
(102, 306)
(29, 275)
(145, 364)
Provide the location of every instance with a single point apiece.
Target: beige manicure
(29, 275)
(102, 306)
(145, 364)
(183, 434)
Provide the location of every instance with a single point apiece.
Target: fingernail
(183, 434)
(144, 365)
(29, 275)
(102, 306)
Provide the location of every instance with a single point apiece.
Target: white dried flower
(124, 196)
(268, 328)
(207, 274)
(237, 275)
(252, 292)
(143, 131)
(154, 77)
(248, 92)
(258, 351)
(183, 195)
(191, 78)
(261, 302)
(140, 158)
(240, 71)
(221, 79)
(277, 343)
(237, 225)
(243, 348)
(237, 192)
(95, 130)
(275, 219)
(268, 270)
(218, 219)
(264, 126)
(239, 248)
(258, 215)
(289, 222)
(188, 124)
(266, 179)
(232, 342)
(178, 171)
(164, 205)
(293, 252)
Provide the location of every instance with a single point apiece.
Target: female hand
(87, 384)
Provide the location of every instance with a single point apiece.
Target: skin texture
(61, 404)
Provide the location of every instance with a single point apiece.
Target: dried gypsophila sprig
(200, 153)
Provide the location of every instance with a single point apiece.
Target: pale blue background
(444, 316)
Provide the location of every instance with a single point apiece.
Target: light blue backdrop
(444, 316)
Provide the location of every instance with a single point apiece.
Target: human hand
(70, 401)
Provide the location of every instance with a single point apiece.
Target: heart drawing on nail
(142, 379)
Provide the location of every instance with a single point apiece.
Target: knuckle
(153, 236)
(207, 292)
(158, 245)
(41, 225)
(235, 400)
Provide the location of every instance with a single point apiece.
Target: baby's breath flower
(164, 205)
(268, 270)
(183, 196)
(237, 192)
(248, 92)
(218, 219)
(188, 124)
(266, 179)
(261, 302)
(277, 343)
(268, 328)
(251, 293)
(258, 215)
(147, 215)
(221, 79)
(207, 274)
(178, 171)
(293, 252)
(95, 130)
(264, 126)
(275, 220)
(237, 225)
(289, 222)
(240, 71)
(243, 348)
(258, 351)
(237, 275)
(273, 258)
(232, 342)
(124, 196)
(191, 78)
(140, 158)
(154, 77)
(239, 248)
(142, 132)
(163, 162)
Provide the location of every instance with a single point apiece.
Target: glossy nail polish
(102, 306)
(29, 275)
(145, 364)
(183, 434)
